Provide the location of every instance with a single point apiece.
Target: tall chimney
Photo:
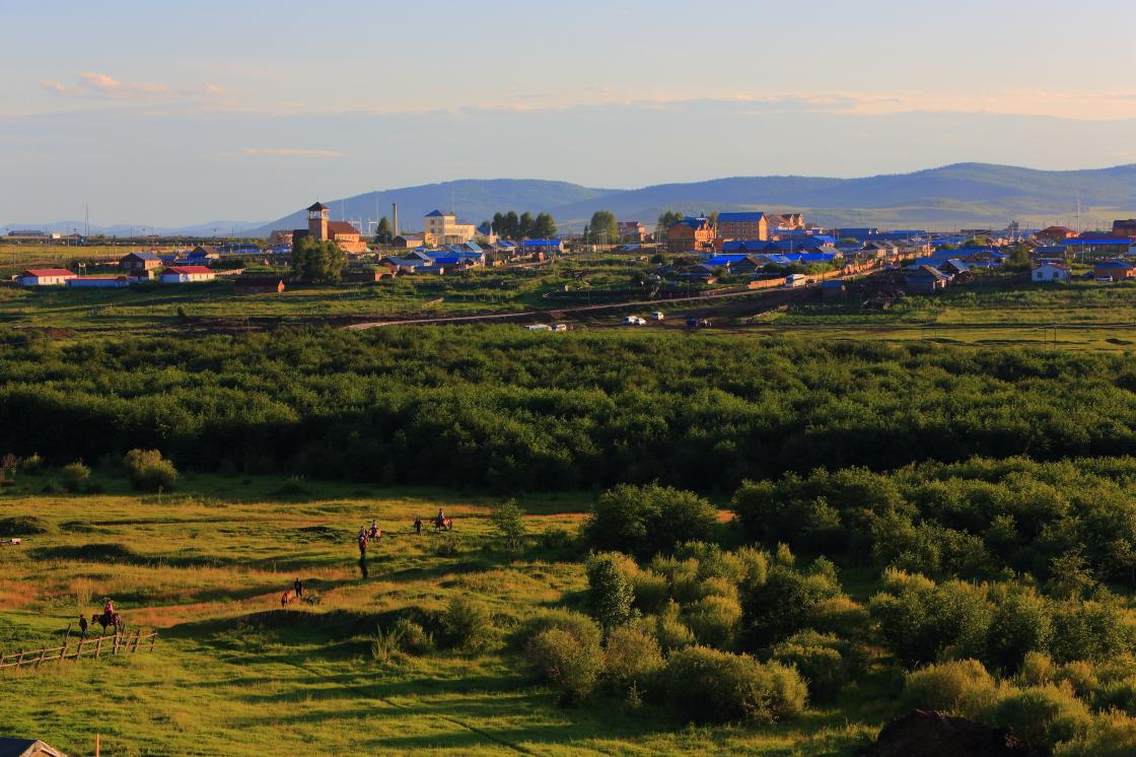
(394, 220)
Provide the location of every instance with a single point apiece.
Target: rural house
(632, 231)
(924, 279)
(139, 262)
(187, 274)
(1050, 272)
(10, 747)
(1113, 270)
(45, 277)
(444, 228)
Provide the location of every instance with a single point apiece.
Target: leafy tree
(646, 520)
(610, 594)
(383, 233)
(317, 262)
(603, 228)
(508, 519)
(669, 218)
(544, 227)
(525, 225)
(512, 225)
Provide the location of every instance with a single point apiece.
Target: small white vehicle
(559, 327)
(658, 315)
(634, 320)
(794, 280)
(538, 327)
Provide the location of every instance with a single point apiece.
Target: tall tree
(666, 220)
(525, 225)
(604, 229)
(383, 233)
(499, 224)
(512, 225)
(544, 227)
(316, 262)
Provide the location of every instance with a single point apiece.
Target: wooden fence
(118, 644)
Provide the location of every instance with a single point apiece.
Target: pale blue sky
(181, 112)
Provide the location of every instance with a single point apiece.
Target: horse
(445, 524)
(287, 598)
(108, 620)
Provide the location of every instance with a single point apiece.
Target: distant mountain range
(964, 194)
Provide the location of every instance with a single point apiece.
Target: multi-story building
(440, 228)
(632, 231)
(691, 234)
(747, 226)
(322, 229)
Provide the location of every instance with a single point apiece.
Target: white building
(45, 277)
(1050, 272)
(443, 228)
(187, 274)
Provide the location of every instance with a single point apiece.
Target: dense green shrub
(579, 625)
(632, 656)
(74, 476)
(508, 521)
(149, 471)
(786, 603)
(714, 619)
(560, 657)
(708, 686)
(821, 659)
(670, 630)
(467, 624)
(610, 594)
(646, 520)
(1110, 734)
(1043, 715)
(963, 687)
(651, 591)
(920, 620)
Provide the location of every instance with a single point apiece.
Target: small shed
(259, 283)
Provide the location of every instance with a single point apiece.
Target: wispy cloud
(289, 152)
(94, 84)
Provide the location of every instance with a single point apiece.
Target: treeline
(501, 408)
(524, 226)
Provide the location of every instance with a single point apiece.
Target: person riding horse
(440, 519)
(374, 532)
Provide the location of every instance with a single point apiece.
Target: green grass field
(234, 673)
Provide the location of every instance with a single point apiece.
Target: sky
(171, 112)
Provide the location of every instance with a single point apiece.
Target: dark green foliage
(707, 686)
(647, 520)
(823, 660)
(514, 411)
(467, 625)
(1071, 522)
(784, 604)
(632, 657)
(149, 471)
(610, 594)
(573, 667)
(508, 520)
(316, 262)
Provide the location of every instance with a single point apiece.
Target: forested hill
(492, 407)
(960, 194)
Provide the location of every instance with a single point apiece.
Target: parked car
(634, 320)
(559, 327)
(658, 315)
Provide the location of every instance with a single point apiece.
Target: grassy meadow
(234, 673)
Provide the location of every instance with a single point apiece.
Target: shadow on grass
(122, 555)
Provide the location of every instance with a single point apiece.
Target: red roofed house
(45, 277)
(1055, 234)
(187, 274)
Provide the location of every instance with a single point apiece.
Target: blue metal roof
(435, 214)
(541, 243)
(753, 217)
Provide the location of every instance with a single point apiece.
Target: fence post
(153, 640)
(79, 651)
(42, 656)
(63, 650)
(98, 647)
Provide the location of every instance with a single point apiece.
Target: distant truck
(794, 280)
(634, 320)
